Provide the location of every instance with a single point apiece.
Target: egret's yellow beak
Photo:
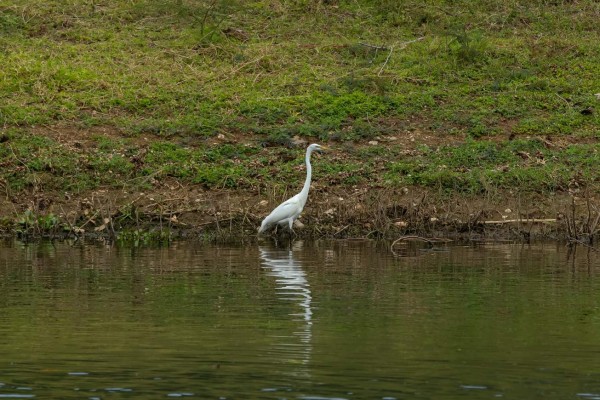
(324, 148)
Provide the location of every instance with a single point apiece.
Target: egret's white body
(289, 210)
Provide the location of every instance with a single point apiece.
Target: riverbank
(162, 119)
(352, 195)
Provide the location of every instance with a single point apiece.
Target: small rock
(373, 142)
(298, 224)
(508, 211)
(263, 203)
(401, 224)
(433, 219)
(298, 141)
(220, 136)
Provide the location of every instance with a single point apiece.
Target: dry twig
(532, 220)
(402, 46)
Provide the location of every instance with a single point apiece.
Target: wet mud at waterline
(335, 214)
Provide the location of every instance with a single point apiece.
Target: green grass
(477, 166)
(178, 67)
(473, 167)
(44, 164)
(183, 71)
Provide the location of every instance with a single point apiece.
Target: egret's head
(317, 147)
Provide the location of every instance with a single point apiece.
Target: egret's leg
(291, 222)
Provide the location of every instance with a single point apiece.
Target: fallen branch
(373, 46)
(533, 220)
(90, 219)
(72, 227)
(341, 230)
(386, 61)
(422, 239)
(402, 46)
(578, 241)
(417, 238)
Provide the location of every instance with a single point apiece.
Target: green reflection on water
(324, 319)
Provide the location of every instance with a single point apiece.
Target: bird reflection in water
(293, 286)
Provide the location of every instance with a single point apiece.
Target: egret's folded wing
(283, 211)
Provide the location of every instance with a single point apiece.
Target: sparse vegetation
(492, 99)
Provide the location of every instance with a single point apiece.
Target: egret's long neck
(306, 187)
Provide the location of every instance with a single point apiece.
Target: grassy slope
(504, 90)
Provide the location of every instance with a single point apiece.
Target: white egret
(289, 210)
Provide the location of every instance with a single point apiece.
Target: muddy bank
(179, 211)
(100, 183)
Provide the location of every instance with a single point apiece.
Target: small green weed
(31, 224)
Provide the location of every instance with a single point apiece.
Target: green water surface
(318, 320)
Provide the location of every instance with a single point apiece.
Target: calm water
(325, 320)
